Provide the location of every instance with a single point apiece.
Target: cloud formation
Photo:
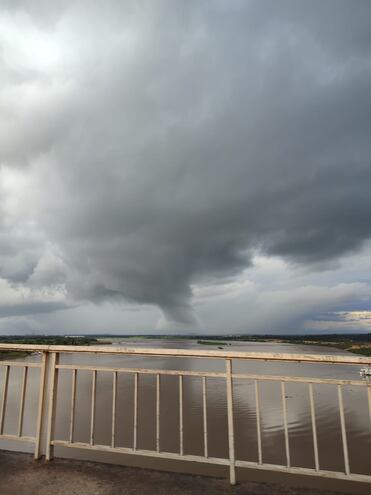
(149, 149)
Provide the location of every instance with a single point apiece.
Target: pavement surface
(21, 475)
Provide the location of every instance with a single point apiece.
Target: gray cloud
(166, 142)
(32, 308)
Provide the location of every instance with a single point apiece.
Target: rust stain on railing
(49, 368)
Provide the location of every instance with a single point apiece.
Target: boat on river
(366, 371)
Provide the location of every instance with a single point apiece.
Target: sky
(171, 166)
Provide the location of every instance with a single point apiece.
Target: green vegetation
(47, 340)
(211, 342)
(40, 340)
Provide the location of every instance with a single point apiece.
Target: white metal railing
(50, 366)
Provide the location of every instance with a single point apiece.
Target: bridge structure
(49, 366)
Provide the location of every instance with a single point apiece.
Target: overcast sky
(185, 166)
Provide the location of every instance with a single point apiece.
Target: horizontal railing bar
(16, 437)
(216, 460)
(147, 453)
(305, 471)
(192, 353)
(216, 374)
(20, 364)
(300, 379)
(139, 370)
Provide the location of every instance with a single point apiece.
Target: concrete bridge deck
(21, 475)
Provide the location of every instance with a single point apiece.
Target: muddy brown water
(273, 445)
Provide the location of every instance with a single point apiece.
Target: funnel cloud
(194, 165)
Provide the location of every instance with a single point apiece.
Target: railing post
(5, 397)
(232, 458)
(343, 430)
(285, 425)
(73, 405)
(158, 412)
(53, 374)
(314, 426)
(92, 411)
(181, 448)
(21, 405)
(258, 425)
(41, 406)
(204, 410)
(114, 400)
(135, 426)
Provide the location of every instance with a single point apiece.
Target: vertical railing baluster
(4, 400)
(21, 405)
(314, 426)
(93, 400)
(135, 411)
(284, 410)
(53, 377)
(369, 400)
(258, 426)
(73, 405)
(232, 457)
(181, 450)
(204, 411)
(158, 412)
(41, 405)
(114, 395)
(343, 430)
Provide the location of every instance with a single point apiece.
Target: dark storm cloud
(171, 140)
(31, 308)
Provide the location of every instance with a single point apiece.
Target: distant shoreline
(354, 343)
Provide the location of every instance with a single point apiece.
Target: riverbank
(40, 340)
(363, 348)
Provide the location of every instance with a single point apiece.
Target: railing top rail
(192, 353)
